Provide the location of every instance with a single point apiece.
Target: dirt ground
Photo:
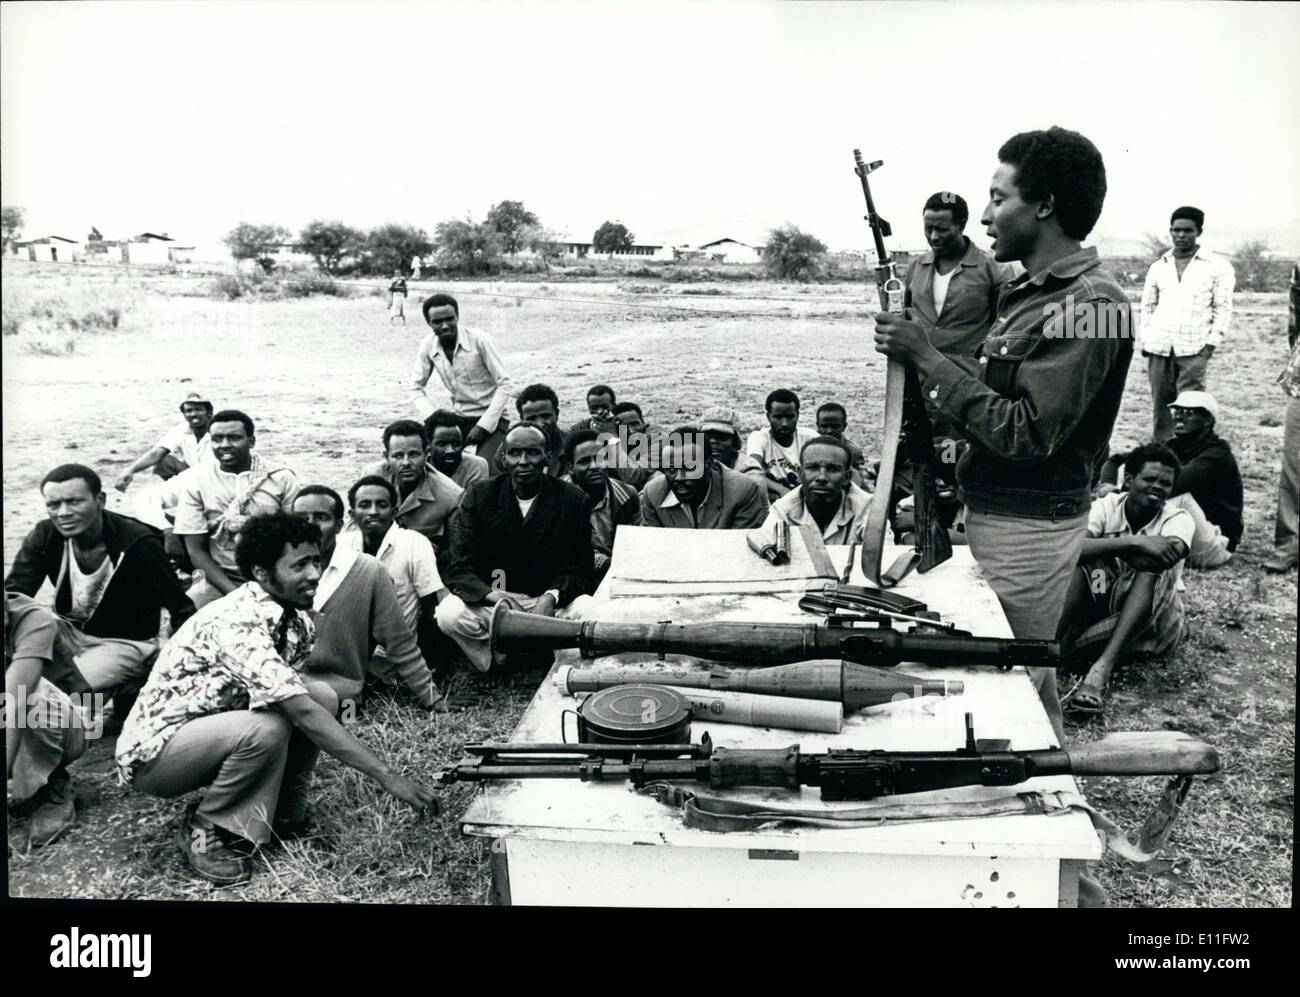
(321, 376)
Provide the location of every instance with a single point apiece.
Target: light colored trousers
(255, 764)
(57, 737)
(468, 626)
(107, 663)
(1286, 532)
(1029, 564)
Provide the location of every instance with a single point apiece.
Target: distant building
(728, 250)
(49, 249)
(581, 250)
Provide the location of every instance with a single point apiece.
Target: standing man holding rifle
(1045, 403)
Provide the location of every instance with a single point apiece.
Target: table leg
(1068, 892)
(500, 866)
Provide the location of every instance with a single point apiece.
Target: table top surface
(1004, 704)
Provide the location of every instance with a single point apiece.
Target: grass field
(321, 376)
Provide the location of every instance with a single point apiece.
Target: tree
(468, 247)
(328, 243)
(511, 220)
(390, 247)
(256, 242)
(1252, 251)
(794, 255)
(11, 222)
(95, 235)
(1156, 244)
(612, 237)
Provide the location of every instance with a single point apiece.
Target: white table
(565, 842)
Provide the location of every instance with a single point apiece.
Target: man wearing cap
(183, 446)
(467, 363)
(720, 429)
(826, 498)
(1186, 309)
(1210, 478)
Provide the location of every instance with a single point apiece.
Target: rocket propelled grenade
(855, 687)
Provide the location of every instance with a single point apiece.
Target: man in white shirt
(776, 448)
(467, 363)
(1186, 309)
(826, 497)
(216, 499)
(1125, 599)
(408, 558)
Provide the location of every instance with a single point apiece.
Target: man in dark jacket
(521, 538)
(694, 491)
(1209, 473)
(111, 577)
(613, 503)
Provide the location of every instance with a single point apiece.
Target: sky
(721, 116)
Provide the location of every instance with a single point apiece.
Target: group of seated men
(305, 601)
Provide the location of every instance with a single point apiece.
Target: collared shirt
(341, 561)
(218, 502)
(222, 659)
(844, 528)
(672, 501)
(475, 377)
(1053, 369)
(426, 507)
(471, 468)
(408, 558)
(179, 440)
(1181, 317)
(779, 464)
(968, 305)
(1107, 520)
(602, 515)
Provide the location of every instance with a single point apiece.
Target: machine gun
(763, 643)
(907, 431)
(845, 774)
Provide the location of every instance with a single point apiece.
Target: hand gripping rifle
(907, 429)
(763, 643)
(844, 774)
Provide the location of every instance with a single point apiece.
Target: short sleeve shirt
(218, 503)
(408, 558)
(224, 658)
(1106, 520)
(180, 440)
(782, 463)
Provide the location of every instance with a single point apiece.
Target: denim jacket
(1053, 370)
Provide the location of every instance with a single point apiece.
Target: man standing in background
(1186, 308)
(471, 370)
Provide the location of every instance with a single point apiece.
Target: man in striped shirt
(1186, 308)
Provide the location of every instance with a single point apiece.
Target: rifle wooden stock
(761, 643)
(1143, 753)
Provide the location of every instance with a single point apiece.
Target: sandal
(1085, 701)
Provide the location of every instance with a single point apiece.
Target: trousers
(1029, 564)
(54, 734)
(468, 626)
(1286, 531)
(1169, 376)
(255, 764)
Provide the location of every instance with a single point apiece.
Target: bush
(306, 286)
(228, 287)
(791, 254)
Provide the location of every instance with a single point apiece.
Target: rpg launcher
(846, 774)
(763, 643)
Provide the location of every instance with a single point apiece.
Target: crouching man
(228, 708)
(1124, 600)
(522, 538)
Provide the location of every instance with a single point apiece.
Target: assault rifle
(763, 643)
(845, 774)
(907, 431)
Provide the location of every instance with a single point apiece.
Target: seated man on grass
(357, 610)
(111, 581)
(1124, 600)
(825, 498)
(695, 491)
(600, 411)
(45, 730)
(832, 420)
(228, 708)
(410, 562)
(447, 450)
(614, 503)
(776, 448)
(426, 496)
(218, 497)
(523, 539)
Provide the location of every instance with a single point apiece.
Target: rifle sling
(716, 814)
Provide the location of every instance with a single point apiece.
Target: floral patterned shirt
(223, 658)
